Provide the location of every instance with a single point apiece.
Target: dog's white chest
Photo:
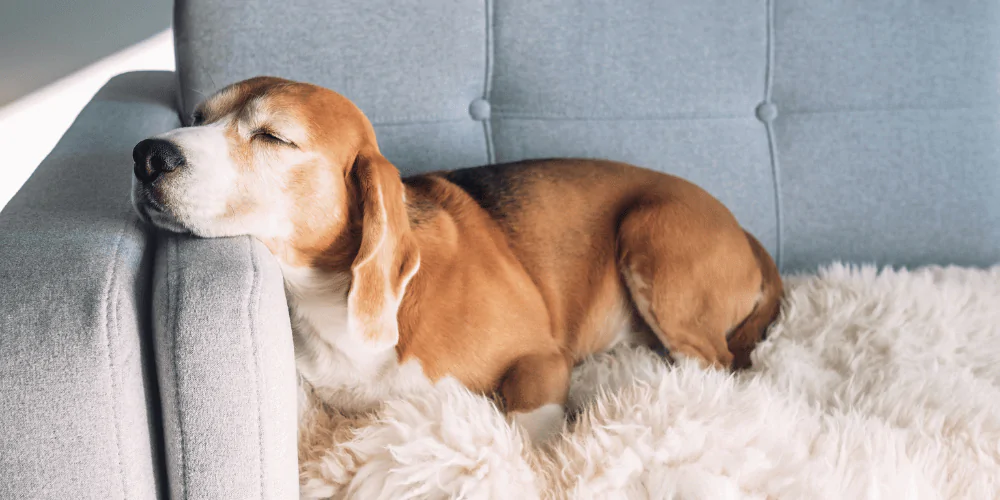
(343, 378)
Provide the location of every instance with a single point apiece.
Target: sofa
(140, 364)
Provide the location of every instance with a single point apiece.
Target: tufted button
(479, 109)
(767, 111)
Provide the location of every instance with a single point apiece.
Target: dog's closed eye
(271, 137)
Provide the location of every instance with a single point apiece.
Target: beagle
(501, 276)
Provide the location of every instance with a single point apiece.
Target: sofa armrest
(226, 369)
(77, 386)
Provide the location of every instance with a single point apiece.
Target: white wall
(31, 125)
(42, 41)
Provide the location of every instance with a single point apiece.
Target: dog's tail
(754, 327)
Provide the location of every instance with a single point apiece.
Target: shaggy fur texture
(871, 385)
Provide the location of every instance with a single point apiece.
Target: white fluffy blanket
(871, 385)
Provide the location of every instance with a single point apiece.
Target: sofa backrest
(863, 131)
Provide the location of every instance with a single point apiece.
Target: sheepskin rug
(873, 384)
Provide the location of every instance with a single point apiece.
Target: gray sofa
(137, 364)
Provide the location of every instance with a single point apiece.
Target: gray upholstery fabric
(413, 67)
(78, 404)
(226, 369)
(834, 130)
(888, 138)
(860, 131)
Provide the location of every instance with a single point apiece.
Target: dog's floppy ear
(388, 257)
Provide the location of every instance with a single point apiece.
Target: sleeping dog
(501, 276)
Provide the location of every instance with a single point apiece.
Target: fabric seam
(771, 146)
(497, 112)
(174, 312)
(253, 305)
(110, 305)
(416, 120)
(899, 109)
(488, 82)
(180, 95)
(514, 115)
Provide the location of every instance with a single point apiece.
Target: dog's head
(296, 166)
(264, 157)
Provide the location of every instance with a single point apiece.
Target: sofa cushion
(226, 369)
(413, 67)
(854, 131)
(78, 393)
(888, 131)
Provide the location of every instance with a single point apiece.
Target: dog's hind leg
(691, 273)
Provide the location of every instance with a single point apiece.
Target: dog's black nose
(153, 157)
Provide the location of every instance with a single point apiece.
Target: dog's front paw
(541, 423)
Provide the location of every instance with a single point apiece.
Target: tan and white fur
(502, 277)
